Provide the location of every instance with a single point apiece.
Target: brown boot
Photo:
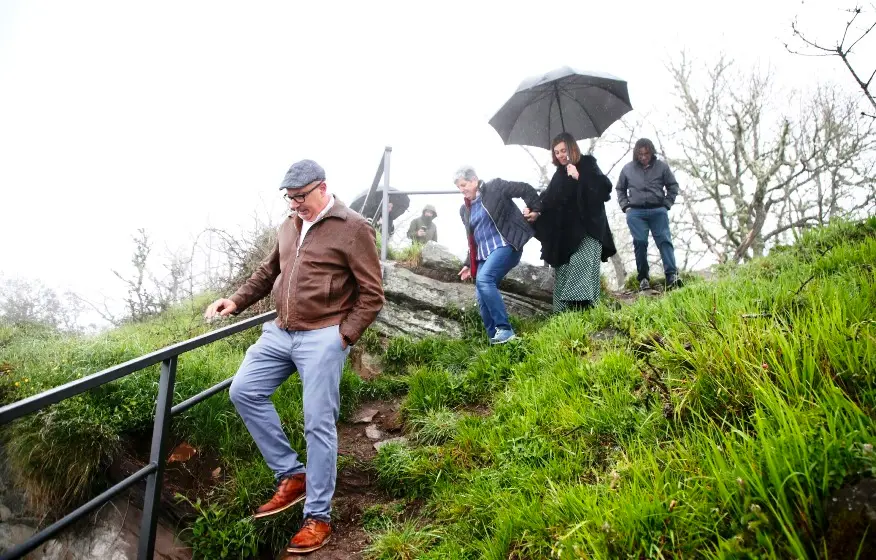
(314, 534)
(289, 492)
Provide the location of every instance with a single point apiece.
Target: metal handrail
(164, 410)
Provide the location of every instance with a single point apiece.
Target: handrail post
(384, 221)
(154, 482)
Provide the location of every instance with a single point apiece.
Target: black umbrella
(583, 104)
(369, 203)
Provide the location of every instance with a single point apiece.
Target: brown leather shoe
(314, 534)
(289, 492)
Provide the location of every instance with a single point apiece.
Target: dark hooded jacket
(572, 209)
(426, 223)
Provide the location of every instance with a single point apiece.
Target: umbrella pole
(384, 226)
(559, 107)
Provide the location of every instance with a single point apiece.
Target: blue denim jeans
(319, 359)
(640, 220)
(489, 275)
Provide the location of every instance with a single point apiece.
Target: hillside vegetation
(714, 422)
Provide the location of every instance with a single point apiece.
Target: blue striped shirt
(486, 236)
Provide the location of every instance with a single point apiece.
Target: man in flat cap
(326, 281)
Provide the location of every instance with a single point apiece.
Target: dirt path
(357, 486)
(195, 474)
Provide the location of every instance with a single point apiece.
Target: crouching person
(497, 232)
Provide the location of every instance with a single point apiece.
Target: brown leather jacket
(333, 279)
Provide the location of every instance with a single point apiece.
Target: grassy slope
(698, 432)
(715, 426)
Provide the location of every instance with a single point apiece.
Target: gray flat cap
(303, 173)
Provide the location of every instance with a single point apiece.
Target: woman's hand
(530, 216)
(572, 171)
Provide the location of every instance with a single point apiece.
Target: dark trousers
(640, 221)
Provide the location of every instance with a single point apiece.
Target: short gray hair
(466, 172)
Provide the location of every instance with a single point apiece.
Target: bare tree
(177, 284)
(31, 302)
(839, 149)
(233, 257)
(851, 36)
(542, 166)
(140, 301)
(103, 309)
(238, 256)
(147, 293)
(757, 172)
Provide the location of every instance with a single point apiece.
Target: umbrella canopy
(369, 206)
(583, 104)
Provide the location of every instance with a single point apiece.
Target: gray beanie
(302, 173)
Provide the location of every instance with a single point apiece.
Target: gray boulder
(436, 257)
(418, 306)
(536, 282)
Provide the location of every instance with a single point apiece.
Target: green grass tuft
(404, 541)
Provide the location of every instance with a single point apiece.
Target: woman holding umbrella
(573, 228)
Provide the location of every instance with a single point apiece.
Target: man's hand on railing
(222, 307)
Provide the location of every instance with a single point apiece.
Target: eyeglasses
(299, 198)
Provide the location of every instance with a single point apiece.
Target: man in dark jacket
(423, 229)
(497, 232)
(646, 190)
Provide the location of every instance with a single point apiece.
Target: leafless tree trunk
(755, 171)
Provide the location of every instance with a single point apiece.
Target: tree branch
(840, 50)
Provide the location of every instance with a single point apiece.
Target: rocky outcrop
(436, 257)
(536, 282)
(111, 534)
(418, 305)
(399, 318)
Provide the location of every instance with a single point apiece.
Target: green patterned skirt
(578, 279)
